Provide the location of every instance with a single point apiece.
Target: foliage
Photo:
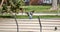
(22, 2)
(11, 6)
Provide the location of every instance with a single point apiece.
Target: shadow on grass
(6, 17)
(27, 17)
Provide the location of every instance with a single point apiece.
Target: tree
(54, 5)
(22, 2)
(12, 4)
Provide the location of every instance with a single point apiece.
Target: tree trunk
(2, 2)
(54, 5)
(1, 6)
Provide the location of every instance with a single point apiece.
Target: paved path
(29, 25)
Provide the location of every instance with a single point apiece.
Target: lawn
(39, 9)
(26, 17)
(35, 17)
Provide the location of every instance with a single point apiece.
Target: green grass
(39, 9)
(34, 17)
